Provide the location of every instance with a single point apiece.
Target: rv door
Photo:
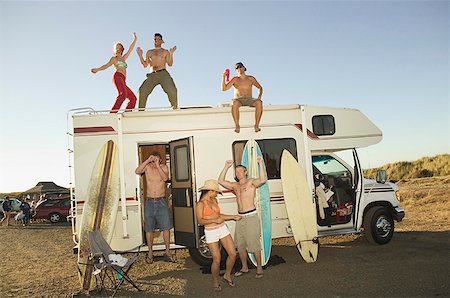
(183, 194)
(357, 184)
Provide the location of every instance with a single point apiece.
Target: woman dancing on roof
(118, 60)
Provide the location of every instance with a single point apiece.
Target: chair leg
(128, 279)
(125, 277)
(102, 277)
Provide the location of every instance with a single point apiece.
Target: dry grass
(434, 166)
(427, 204)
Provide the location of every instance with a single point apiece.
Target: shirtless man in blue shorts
(156, 208)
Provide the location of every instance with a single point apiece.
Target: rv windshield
(326, 164)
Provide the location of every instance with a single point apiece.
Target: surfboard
(100, 207)
(262, 200)
(300, 207)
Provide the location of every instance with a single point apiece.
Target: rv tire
(378, 225)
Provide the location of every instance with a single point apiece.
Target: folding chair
(104, 267)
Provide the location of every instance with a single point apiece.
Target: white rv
(197, 141)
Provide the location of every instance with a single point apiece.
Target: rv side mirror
(381, 176)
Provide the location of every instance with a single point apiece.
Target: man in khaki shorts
(157, 58)
(243, 84)
(248, 229)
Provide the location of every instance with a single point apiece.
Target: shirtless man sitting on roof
(243, 84)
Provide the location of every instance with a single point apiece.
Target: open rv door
(358, 180)
(183, 194)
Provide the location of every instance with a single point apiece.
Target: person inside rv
(208, 214)
(157, 58)
(243, 84)
(248, 229)
(118, 60)
(156, 208)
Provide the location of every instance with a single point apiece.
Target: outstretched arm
(258, 86)
(133, 43)
(103, 67)
(262, 174)
(230, 217)
(222, 181)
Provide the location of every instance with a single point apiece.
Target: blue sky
(389, 59)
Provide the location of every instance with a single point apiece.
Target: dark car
(53, 210)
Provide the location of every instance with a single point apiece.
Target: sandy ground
(37, 261)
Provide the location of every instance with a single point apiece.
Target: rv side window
(271, 150)
(181, 163)
(323, 125)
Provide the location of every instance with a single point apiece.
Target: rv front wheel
(378, 225)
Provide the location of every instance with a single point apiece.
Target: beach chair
(105, 268)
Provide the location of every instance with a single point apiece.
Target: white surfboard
(300, 207)
(100, 207)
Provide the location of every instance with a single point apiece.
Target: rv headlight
(397, 195)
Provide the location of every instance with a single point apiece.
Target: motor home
(196, 142)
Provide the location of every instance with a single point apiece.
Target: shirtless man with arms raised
(248, 229)
(156, 208)
(157, 58)
(243, 84)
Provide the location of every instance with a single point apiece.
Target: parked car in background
(15, 204)
(53, 210)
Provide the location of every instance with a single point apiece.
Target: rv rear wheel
(202, 255)
(378, 225)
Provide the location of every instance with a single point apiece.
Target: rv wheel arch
(378, 225)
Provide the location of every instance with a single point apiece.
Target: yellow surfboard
(100, 207)
(300, 207)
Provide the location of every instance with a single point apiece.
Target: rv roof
(200, 109)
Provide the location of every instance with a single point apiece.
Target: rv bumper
(399, 213)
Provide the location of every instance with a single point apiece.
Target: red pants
(124, 92)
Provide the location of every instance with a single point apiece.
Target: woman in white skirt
(208, 214)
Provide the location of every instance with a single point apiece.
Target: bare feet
(257, 129)
(237, 129)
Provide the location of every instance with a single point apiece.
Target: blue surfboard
(262, 199)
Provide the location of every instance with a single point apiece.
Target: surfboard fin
(311, 255)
